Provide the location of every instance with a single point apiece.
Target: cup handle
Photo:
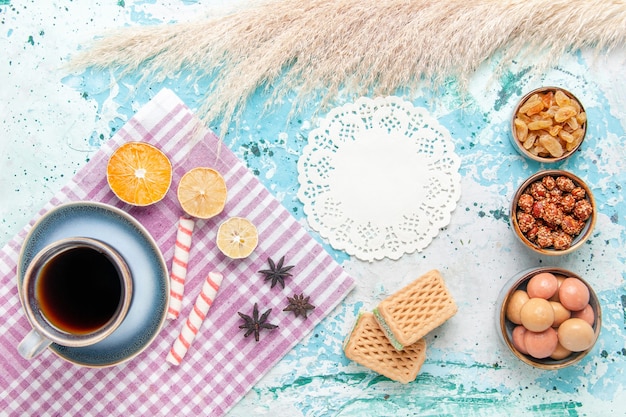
(33, 344)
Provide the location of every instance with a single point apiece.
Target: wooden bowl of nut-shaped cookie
(548, 317)
(548, 125)
(553, 212)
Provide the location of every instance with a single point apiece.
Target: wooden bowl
(526, 237)
(573, 143)
(505, 327)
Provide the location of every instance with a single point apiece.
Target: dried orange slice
(202, 192)
(237, 237)
(139, 173)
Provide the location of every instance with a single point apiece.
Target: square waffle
(368, 345)
(409, 314)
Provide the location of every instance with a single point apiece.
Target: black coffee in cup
(79, 291)
(76, 292)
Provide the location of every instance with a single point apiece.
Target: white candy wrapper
(179, 266)
(196, 318)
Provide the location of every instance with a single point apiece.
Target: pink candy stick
(179, 266)
(196, 317)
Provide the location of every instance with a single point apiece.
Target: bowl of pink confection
(548, 317)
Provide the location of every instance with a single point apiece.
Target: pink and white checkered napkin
(221, 365)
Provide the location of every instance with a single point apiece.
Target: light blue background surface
(53, 121)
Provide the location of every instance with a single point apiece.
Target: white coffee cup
(75, 292)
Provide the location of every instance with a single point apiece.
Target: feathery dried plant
(323, 47)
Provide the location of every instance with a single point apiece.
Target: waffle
(409, 314)
(368, 346)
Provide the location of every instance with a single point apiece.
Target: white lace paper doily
(379, 178)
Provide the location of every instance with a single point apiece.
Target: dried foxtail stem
(319, 48)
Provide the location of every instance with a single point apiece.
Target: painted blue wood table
(53, 121)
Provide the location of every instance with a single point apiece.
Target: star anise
(277, 272)
(255, 323)
(299, 304)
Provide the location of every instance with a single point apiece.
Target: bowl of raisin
(553, 212)
(548, 125)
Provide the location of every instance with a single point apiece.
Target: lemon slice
(237, 237)
(139, 173)
(202, 192)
